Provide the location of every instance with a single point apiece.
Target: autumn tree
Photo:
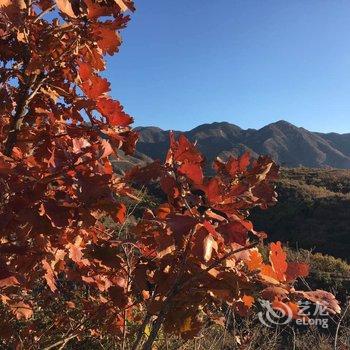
(68, 268)
(58, 127)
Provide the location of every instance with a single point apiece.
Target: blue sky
(248, 62)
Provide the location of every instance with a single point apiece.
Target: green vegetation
(313, 211)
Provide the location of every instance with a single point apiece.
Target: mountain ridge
(287, 144)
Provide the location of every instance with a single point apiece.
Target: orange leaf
(238, 165)
(163, 211)
(121, 213)
(269, 275)
(278, 260)
(8, 282)
(65, 6)
(22, 310)
(186, 325)
(95, 10)
(248, 300)
(256, 260)
(107, 149)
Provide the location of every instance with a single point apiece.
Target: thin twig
(178, 287)
(42, 14)
(61, 342)
(338, 326)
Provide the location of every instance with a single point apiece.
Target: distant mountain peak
(288, 144)
(283, 122)
(283, 125)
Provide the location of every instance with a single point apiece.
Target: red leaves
(108, 39)
(85, 71)
(120, 215)
(13, 5)
(235, 232)
(169, 186)
(202, 235)
(255, 261)
(95, 87)
(279, 271)
(113, 111)
(63, 213)
(183, 151)
(204, 243)
(295, 270)
(218, 205)
(209, 245)
(58, 215)
(60, 198)
(193, 172)
(106, 148)
(49, 276)
(6, 165)
(233, 166)
(76, 252)
(242, 306)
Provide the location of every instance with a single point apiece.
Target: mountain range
(287, 144)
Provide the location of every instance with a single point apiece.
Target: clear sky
(248, 62)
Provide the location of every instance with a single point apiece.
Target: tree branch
(177, 287)
(42, 14)
(63, 342)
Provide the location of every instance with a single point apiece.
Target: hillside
(313, 211)
(288, 144)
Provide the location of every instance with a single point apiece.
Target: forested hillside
(313, 210)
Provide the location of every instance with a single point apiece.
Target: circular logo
(274, 316)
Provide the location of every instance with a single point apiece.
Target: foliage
(57, 183)
(69, 268)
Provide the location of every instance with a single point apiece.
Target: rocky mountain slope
(288, 144)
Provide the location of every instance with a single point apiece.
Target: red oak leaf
(85, 71)
(295, 270)
(193, 172)
(113, 111)
(95, 87)
(108, 40)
